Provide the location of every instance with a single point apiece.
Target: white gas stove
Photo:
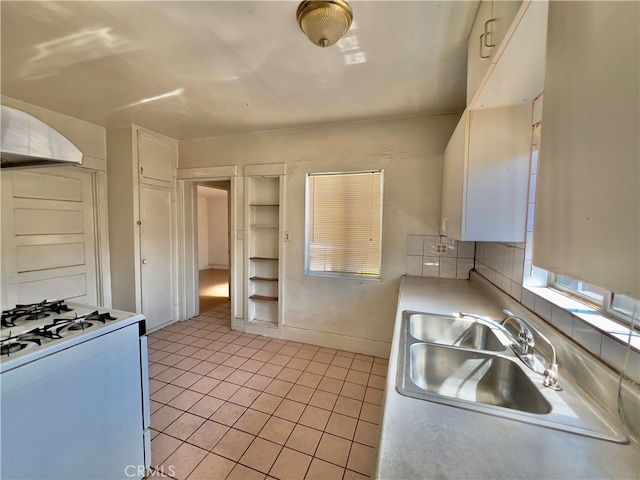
(88, 365)
(29, 332)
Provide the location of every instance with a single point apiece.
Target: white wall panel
(69, 287)
(59, 187)
(42, 257)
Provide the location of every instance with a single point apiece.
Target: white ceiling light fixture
(324, 21)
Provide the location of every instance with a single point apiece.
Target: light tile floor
(232, 405)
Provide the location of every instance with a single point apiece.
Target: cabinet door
(498, 174)
(48, 236)
(478, 55)
(156, 157)
(453, 180)
(587, 223)
(502, 15)
(156, 254)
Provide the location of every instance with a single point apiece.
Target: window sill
(603, 337)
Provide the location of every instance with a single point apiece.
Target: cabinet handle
(145, 261)
(487, 33)
(481, 46)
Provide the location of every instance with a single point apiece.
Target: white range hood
(28, 142)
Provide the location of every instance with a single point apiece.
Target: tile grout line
(272, 378)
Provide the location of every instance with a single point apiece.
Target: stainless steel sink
(449, 330)
(475, 377)
(461, 363)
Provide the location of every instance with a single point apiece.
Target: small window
(583, 290)
(344, 224)
(624, 306)
(620, 307)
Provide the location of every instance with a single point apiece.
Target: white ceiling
(204, 68)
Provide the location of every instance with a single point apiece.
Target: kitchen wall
(344, 313)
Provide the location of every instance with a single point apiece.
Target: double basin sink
(463, 363)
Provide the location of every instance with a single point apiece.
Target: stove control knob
(144, 262)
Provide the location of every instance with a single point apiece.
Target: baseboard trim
(339, 342)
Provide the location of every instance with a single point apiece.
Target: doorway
(214, 256)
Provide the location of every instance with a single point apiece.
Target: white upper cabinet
(587, 222)
(157, 157)
(478, 54)
(490, 28)
(506, 53)
(486, 163)
(485, 175)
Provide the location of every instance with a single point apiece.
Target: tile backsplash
(506, 265)
(439, 256)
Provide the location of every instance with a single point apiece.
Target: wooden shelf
(264, 297)
(263, 217)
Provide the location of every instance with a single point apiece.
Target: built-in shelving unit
(264, 191)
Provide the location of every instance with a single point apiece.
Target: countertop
(423, 440)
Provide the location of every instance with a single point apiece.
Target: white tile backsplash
(587, 336)
(466, 249)
(414, 265)
(613, 352)
(448, 267)
(528, 299)
(543, 309)
(429, 244)
(562, 320)
(414, 245)
(430, 266)
(422, 259)
(516, 291)
(517, 271)
(508, 266)
(463, 266)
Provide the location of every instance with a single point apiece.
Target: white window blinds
(344, 224)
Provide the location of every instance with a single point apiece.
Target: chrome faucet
(491, 323)
(523, 344)
(551, 371)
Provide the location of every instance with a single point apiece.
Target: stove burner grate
(15, 344)
(11, 348)
(80, 326)
(35, 311)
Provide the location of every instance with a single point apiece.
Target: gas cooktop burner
(19, 342)
(80, 326)
(11, 348)
(83, 322)
(35, 311)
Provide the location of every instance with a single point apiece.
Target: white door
(156, 254)
(48, 236)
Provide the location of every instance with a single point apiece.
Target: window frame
(605, 306)
(307, 232)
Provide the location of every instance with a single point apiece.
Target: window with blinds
(344, 224)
